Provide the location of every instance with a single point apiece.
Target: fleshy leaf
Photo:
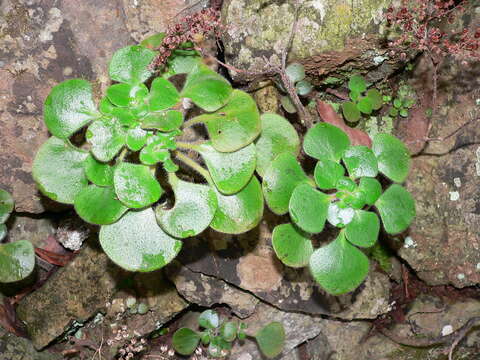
(338, 216)
(288, 104)
(163, 95)
(130, 64)
(357, 84)
(135, 185)
(291, 246)
(325, 141)
(98, 205)
(217, 346)
(185, 341)
(303, 88)
(327, 173)
(393, 157)
(125, 116)
(182, 63)
(339, 267)
(136, 138)
(195, 206)
(295, 72)
(228, 331)
(376, 98)
(69, 107)
(208, 319)
(397, 209)
(360, 161)
(350, 111)
(271, 339)
(17, 260)
(363, 229)
(207, 89)
(230, 171)
(365, 105)
(107, 137)
(240, 212)
(6, 205)
(279, 181)
(372, 189)
(308, 208)
(99, 173)
(157, 149)
(137, 243)
(277, 136)
(58, 170)
(153, 41)
(119, 94)
(235, 125)
(163, 121)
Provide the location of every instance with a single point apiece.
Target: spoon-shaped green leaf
(397, 209)
(230, 171)
(235, 125)
(58, 170)
(99, 173)
(339, 267)
(206, 88)
(360, 161)
(209, 319)
(98, 205)
(393, 157)
(371, 188)
(17, 260)
(363, 229)
(325, 141)
(130, 64)
(350, 111)
(135, 185)
(308, 208)
(295, 72)
(137, 243)
(291, 246)
(195, 206)
(271, 339)
(240, 212)
(327, 173)
(163, 95)
(69, 107)
(6, 205)
(163, 120)
(107, 137)
(357, 84)
(277, 136)
(136, 138)
(185, 341)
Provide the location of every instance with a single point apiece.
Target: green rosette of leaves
(17, 259)
(343, 190)
(133, 143)
(219, 337)
(362, 101)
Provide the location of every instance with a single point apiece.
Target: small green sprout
(342, 192)
(219, 336)
(363, 101)
(402, 103)
(17, 259)
(296, 74)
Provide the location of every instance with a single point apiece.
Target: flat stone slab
(75, 292)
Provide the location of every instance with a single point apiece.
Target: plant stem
(122, 155)
(189, 145)
(194, 165)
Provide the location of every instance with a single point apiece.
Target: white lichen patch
(319, 5)
(409, 243)
(454, 195)
(461, 276)
(457, 181)
(477, 163)
(377, 60)
(55, 20)
(447, 330)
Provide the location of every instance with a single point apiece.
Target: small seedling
(363, 101)
(17, 259)
(296, 74)
(342, 192)
(219, 336)
(401, 103)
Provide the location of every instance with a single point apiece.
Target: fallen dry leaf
(328, 114)
(9, 321)
(53, 257)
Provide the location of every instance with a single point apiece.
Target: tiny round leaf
(6, 205)
(185, 341)
(271, 339)
(17, 260)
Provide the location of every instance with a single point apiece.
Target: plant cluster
(124, 173)
(219, 336)
(17, 259)
(296, 74)
(345, 202)
(401, 103)
(363, 101)
(418, 23)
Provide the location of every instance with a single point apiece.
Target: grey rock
(17, 348)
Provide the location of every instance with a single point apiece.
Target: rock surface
(16, 348)
(329, 34)
(74, 293)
